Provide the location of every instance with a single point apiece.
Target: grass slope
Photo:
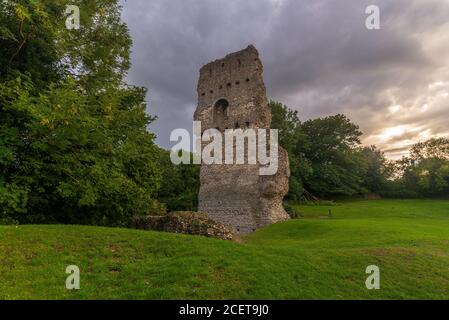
(310, 258)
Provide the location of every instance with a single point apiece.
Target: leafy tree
(294, 141)
(180, 184)
(286, 121)
(324, 153)
(436, 148)
(338, 166)
(327, 160)
(426, 170)
(379, 170)
(74, 145)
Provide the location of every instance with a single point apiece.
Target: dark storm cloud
(319, 59)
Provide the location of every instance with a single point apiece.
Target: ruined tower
(231, 94)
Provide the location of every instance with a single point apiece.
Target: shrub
(292, 211)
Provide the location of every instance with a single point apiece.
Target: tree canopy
(328, 160)
(74, 144)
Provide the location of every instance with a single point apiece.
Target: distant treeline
(328, 160)
(74, 143)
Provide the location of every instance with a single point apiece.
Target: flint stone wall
(186, 222)
(231, 95)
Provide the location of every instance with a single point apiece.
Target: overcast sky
(319, 59)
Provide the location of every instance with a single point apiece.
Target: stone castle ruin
(231, 94)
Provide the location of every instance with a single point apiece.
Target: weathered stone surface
(231, 94)
(186, 222)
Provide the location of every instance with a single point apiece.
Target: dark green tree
(333, 150)
(325, 155)
(379, 170)
(426, 170)
(180, 184)
(292, 139)
(74, 144)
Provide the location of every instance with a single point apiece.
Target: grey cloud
(319, 58)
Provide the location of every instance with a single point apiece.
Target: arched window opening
(221, 112)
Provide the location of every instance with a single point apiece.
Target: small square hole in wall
(237, 82)
(212, 91)
(247, 79)
(203, 94)
(229, 84)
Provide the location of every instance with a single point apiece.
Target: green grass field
(310, 258)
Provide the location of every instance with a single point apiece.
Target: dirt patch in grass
(382, 252)
(440, 253)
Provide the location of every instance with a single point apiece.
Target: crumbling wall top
(234, 75)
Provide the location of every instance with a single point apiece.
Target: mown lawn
(309, 258)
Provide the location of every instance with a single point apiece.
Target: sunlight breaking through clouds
(319, 59)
